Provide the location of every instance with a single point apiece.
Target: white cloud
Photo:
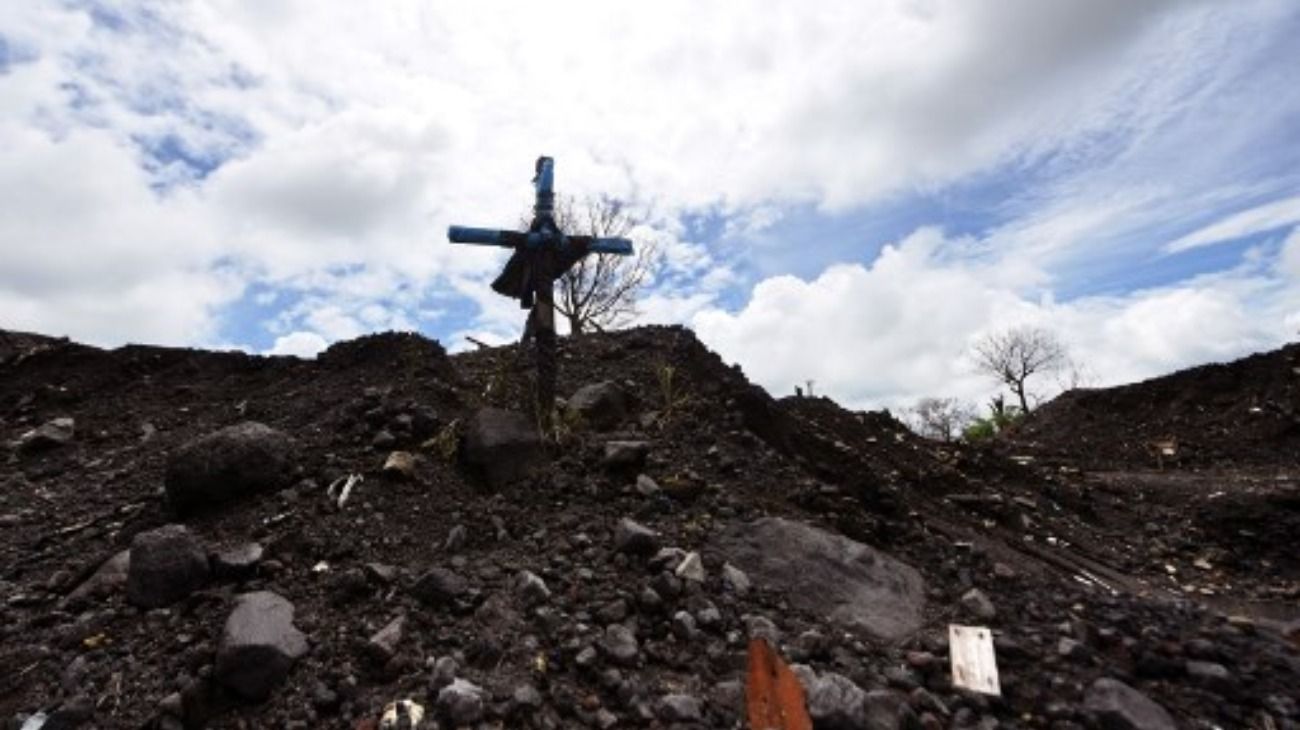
(900, 329)
(1289, 258)
(1267, 217)
(299, 344)
(350, 135)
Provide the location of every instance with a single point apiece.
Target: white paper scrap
(974, 665)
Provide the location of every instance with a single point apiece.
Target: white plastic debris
(974, 666)
(402, 715)
(340, 489)
(35, 722)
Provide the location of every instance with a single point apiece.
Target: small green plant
(447, 442)
(670, 396)
(1000, 418)
(564, 425)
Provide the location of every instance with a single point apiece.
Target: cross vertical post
(541, 255)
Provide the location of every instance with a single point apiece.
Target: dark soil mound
(1244, 412)
(543, 603)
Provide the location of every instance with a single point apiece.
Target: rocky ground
(213, 539)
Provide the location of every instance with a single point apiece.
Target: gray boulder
(844, 581)
(236, 461)
(165, 565)
(259, 645)
(1117, 706)
(502, 445)
(601, 406)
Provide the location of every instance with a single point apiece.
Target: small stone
(625, 455)
(637, 539)
(532, 588)
(323, 698)
(709, 616)
(1002, 571)
(667, 558)
(438, 587)
(645, 486)
(691, 568)
(601, 406)
(49, 435)
(400, 465)
(678, 708)
(527, 697)
(1068, 648)
(649, 599)
(384, 645)
(456, 538)
(167, 564)
(444, 671)
(586, 657)
(620, 645)
(461, 702)
(761, 627)
(1210, 675)
(380, 573)
(613, 612)
(238, 562)
(735, 579)
(383, 440)
(977, 604)
(683, 625)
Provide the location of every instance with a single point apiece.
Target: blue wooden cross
(541, 255)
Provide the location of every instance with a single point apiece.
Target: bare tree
(601, 290)
(941, 419)
(1015, 355)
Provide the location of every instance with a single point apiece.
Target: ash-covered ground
(173, 553)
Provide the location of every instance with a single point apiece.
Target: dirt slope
(1245, 412)
(722, 454)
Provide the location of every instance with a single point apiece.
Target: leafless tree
(601, 290)
(1015, 355)
(942, 419)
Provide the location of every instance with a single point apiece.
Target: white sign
(974, 665)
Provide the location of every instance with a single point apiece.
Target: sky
(850, 193)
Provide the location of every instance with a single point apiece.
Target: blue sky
(845, 192)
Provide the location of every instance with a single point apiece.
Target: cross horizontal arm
(618, 246)
(535, 239)
(486, 236)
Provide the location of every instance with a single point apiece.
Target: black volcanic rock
(236, 461)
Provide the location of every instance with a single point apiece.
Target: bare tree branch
(941, 419)
(1013, 356)
(600, 291)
